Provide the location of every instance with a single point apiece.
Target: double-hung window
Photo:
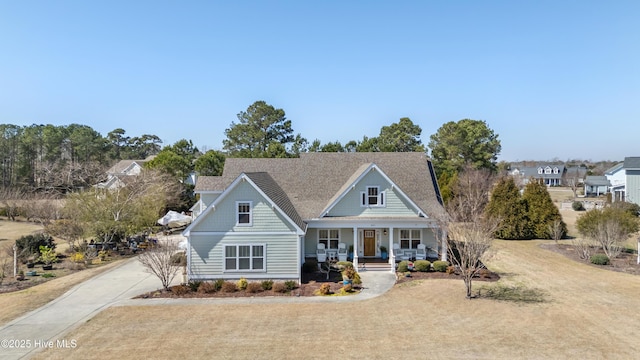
(329, 237)
(244, 257)
(243, 213)
(409, 239)
(372, 197)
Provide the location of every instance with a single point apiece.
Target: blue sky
(554, 79)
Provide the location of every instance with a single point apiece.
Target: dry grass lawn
(589, 314)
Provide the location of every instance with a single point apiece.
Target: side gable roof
(632, 163)
(122, 165)
(614, 168)
(313, 180)
(597, 181)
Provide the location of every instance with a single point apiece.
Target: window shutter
(364, 198)
(382, 198)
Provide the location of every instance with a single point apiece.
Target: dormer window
(547, 170)
(372, 197)
(243, 213)
(555, 170)
(539, 170)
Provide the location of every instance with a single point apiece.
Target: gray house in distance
(631, 168)
(263, 217)
(550, 175)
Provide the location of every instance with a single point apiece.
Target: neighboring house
(263, 217)
(596, 185)
(117, 174)
(631, 167)
(617, 177)
(550, 175)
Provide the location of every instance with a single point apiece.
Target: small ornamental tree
(159, 261)
(506, 205)
(541, 211)
(609, 228)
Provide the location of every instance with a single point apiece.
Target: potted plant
(383, 252)
(347, 275)
(47, 256)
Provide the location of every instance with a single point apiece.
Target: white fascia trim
(209, 192)
(371, 223)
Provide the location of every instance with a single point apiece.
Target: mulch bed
(626, 262)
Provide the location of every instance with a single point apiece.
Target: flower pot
(30, 265)
(47, 267)
(384, 255)
(347, 282)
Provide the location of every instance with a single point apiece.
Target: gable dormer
(547, 170)
(540, 170)
(556, 170)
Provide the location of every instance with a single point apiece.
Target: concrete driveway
(46, 326)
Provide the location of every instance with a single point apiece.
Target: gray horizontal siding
(207, 255)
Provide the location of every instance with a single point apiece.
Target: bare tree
(158, 261)
(611, 236)
(556, 230)
(583, 246)
(12, 199)
(42, 208)
(470, 233)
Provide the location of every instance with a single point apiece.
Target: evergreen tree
(541, 210)
(507, 206)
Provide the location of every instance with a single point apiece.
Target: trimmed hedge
(440, 266)
(600, 259)
(422, 265)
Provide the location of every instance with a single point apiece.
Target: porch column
(392, 255)
(355, 248)
(444, 256)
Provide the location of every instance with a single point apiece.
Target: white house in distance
(263, 217)
(625, 180)
(118, 173)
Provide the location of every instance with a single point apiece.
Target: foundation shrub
(403, 266)
(218, 284)
(279, 287)
(194, 285)
(422, 265)
(267, 284)
(242, 284)
(450, 270)
(440, 266)
(180, 289)
(599, 259)
(207, 287)
(290, 284)
(325, 289)
(254, 287)
(228, 287)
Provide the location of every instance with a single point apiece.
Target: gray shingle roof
(122, 165)
(632, 162)
(266, 183)
(312, 181)
(614, 168)
(532, 171)
(597, 181)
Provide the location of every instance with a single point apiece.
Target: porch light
(384, 231)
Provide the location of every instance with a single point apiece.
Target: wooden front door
(369, 243)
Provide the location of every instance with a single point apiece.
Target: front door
(369, 243)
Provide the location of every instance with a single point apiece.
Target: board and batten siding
(223, 217)
(351, 203)
(207, 256)
(633, 186)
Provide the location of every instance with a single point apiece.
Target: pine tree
(507, 206)
(541, 210)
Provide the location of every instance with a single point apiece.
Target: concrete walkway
(50, 322)
(47, 325)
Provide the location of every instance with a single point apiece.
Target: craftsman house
(263, 217)
(550, 174)
(118, 174)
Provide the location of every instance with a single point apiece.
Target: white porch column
(445, 252)
(355, 248)
(392, 255)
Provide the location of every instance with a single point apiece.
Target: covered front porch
(374, 242)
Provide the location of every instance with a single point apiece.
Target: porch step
(373, 266)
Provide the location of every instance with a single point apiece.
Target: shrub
(207, 287)
(180, 289)
(194, 285)
(71, 265)
(290, 284)
(346, 289)
(344, 265)
(577, 206)
(600, 259)
(267, 284)
(422, 265)
(47, 255)
(450, 270)
(242, 284)
(310, 266)
(484, 273)
(403, 266)
(325, 289)
(279, 287)
(218, 284)
(48, 275)
(254, 287)
(440, 266)
(228, 287)
(30, 245)
(77, 257)
(348, 273)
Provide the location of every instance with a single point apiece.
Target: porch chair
(342, 252)
(399, 253)
(321, 253)
(421, 252)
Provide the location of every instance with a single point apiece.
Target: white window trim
(329, 238)
(251, 257)
(547, 170)
(381, 198)
(250, 223)
(410, 239)
(540, 171)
